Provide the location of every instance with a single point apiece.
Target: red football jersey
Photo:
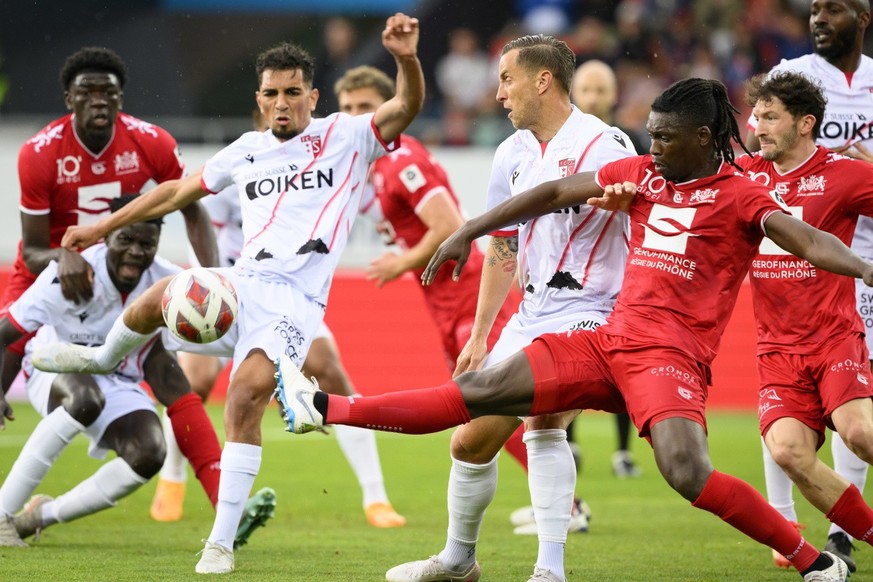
(60, 177)
(404, 181)
(691, 246)
(795, 303)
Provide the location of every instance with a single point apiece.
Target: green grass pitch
(641, 530)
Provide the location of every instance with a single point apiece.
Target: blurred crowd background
(191, 61)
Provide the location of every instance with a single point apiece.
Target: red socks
(197, 441)
(515, 446)
(740, 505)
(852, 513)
(410, 411)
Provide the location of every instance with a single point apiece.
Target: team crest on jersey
(565, 167)
(98, 168)
(126, 163)
(312, 143)
(811, 186)
(705, 196)
(45, 137)
(134, 124)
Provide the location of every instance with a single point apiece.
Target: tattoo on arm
(505, 250)
(512, 243)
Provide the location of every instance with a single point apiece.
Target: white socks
(359, 447)
(552, 482)
(111, 482)
(240, 463)
(779, 486)
(850, 467)
(120, 341)
(471, 489)
(48, 439)
(175, 466)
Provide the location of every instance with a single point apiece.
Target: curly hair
(285, 57)
(365, 77)
(800, 94)
(92, 59)
(704, 102)
(540, 51)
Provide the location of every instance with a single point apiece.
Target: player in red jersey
(695, 229)
(70, 172)
(815, 374)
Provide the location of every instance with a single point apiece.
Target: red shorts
(456, 336)
(593, 370)
(809, 387)
(16, 286)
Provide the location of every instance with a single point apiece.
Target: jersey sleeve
(34, 308)
(220, 206)
(371, 143)
(498, 187)
(165, 157)
(36, 174)
(622, 170)
(613, 145)
(416, 180)
(217, 171)
(860, 197)
(755, 203)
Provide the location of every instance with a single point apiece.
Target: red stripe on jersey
(204, 187)
(521, 261)
(282, 195)
(587, 218)
(389, 147)
(15, 324)
(330, 201)
(503, 232)
(585, 152)
(594, 248)
(144, 352)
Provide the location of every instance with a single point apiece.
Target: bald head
(595, 90)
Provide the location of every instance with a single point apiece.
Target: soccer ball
(199, 305)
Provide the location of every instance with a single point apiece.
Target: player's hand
(400, 36)
(454, 248)
(856, 150)
(615, 197)
(385, 269)
(5, 411)
(472, 357)
(81, 237)
(76, 277)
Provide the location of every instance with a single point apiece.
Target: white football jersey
(85, 324)
(298, 198)
(224, 211)
(848, 117)
(572, 255)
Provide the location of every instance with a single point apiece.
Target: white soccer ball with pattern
(199, 305)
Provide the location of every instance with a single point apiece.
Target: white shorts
(273, 316)
(122, 397)
(864, 303)
(516, 336)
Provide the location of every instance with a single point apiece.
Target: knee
(86, 405)
(791, 456)
(858, 437)
(686, 474)
(145, 454)
(476, 451)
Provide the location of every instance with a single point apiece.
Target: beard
(781, 146)
(841, 44)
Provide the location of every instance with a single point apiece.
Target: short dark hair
(95, 59)
(365, 77)
(117, 204)
(800, 94)
(704, 102)
(540, 51)
(286, 57)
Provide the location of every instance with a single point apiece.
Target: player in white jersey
(113, 411)
(569, 265)
(322, 361)
(846, 75)
(300, 188)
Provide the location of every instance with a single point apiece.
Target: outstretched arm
(822, 249)
(538, 201)
(159, 201)
(400, 37)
